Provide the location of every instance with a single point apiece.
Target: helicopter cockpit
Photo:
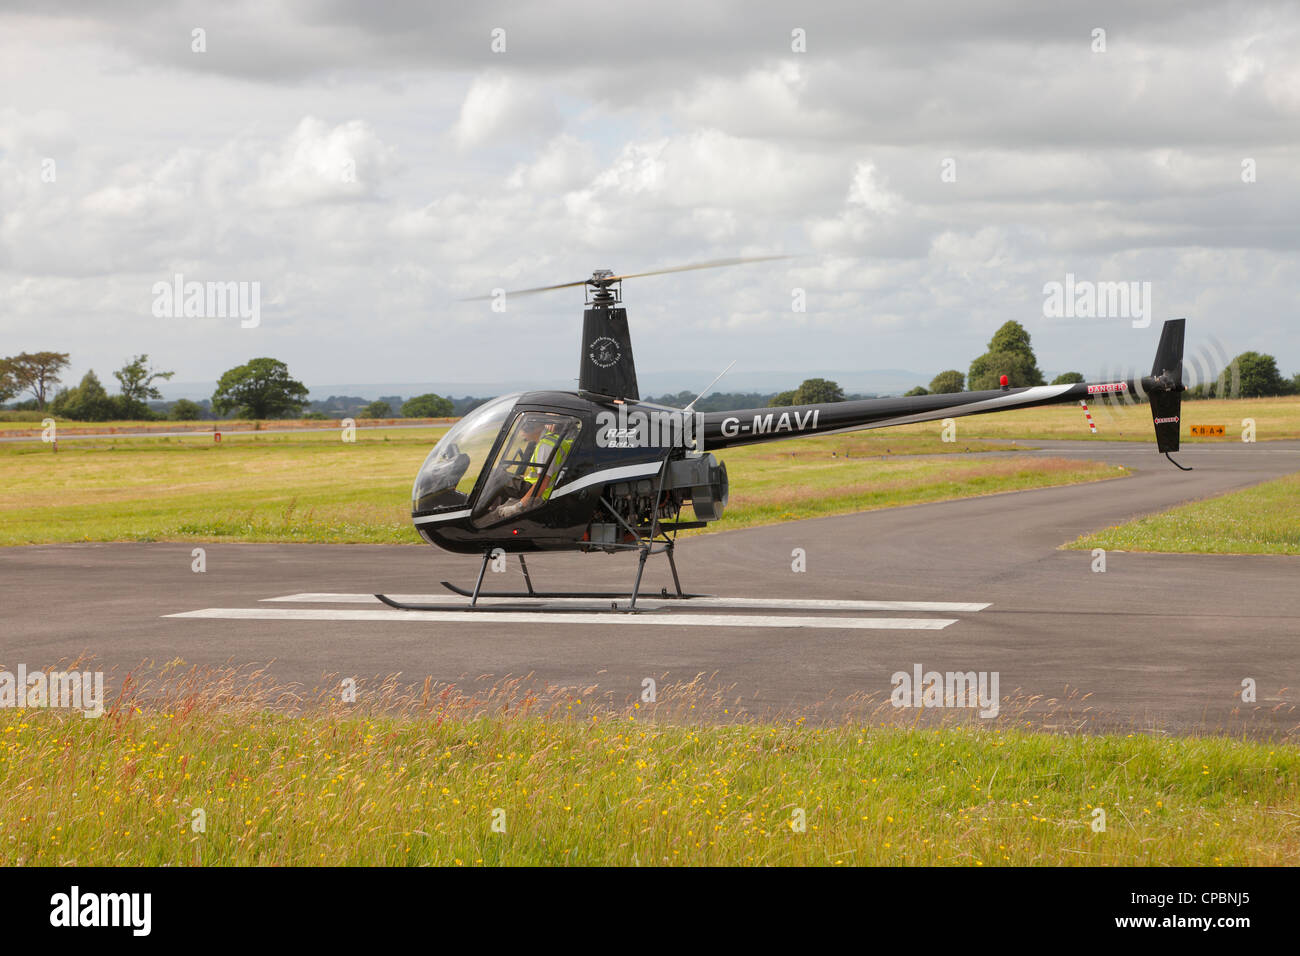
(523, 474)
(448, 475)
(530, 464)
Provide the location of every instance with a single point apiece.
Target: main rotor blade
(540, 288)
(711, 264)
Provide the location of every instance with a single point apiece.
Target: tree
(947, 382)
(427, 406)
(1259, 376)
(987, 370)
(262, 388)
(379, 409)
(1012, 337)
(38, 372)
(1009, 354)
(137, 383)
(9, 384)
(1295, 384)
(918, 390)
(813, 391)
(88, 402)
(183, 410)
(818, 391)
(1068, 378)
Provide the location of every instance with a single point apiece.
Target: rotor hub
(608, 289)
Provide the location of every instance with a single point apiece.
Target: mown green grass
(1275, 419)
(1264, 519)
(316, 488)
(340, 789)
(767, 489)
(251, 487)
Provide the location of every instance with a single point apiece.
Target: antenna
(710, 386)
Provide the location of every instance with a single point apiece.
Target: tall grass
(432, 774)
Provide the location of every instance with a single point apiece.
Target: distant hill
(671, 381)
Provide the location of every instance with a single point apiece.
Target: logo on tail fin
(604, 352)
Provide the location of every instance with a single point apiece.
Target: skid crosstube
(608, 595)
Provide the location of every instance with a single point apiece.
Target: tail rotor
(1166, 387)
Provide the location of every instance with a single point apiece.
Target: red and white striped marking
(1088, 415)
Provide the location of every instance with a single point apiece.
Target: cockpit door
(528, 465)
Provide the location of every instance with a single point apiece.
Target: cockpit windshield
(448, 475)
(532, 461)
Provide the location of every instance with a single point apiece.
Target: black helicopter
(599, 470)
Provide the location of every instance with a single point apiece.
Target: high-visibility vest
(548, 450)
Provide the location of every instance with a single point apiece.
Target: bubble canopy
(448, 475)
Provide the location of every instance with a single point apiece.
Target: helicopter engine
(702, 480)
(698, 479)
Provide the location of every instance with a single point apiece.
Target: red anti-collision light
(1004, 381)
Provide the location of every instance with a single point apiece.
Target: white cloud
(474, 171)
(500, 109)
(566, 162)
(318, 162)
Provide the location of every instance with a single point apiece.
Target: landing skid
(645, 546)
(534, 603)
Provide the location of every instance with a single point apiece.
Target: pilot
(544, 464)
(552, 450)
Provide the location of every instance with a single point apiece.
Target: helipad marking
(562, 617)
(650, 600)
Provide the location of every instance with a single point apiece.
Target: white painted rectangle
(607, 619)
(651, 601)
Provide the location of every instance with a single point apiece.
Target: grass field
(1275, 419)
(570, 785)
(1264, 519)
(315, 487)
(770, 486)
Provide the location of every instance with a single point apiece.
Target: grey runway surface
(1156, 643)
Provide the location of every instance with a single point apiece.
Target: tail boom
(755, 425)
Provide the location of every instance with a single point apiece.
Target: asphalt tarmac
(1157, 643)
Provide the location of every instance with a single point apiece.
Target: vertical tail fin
(606, 366)
(1166, 393)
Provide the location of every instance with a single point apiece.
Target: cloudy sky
(931, 166)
